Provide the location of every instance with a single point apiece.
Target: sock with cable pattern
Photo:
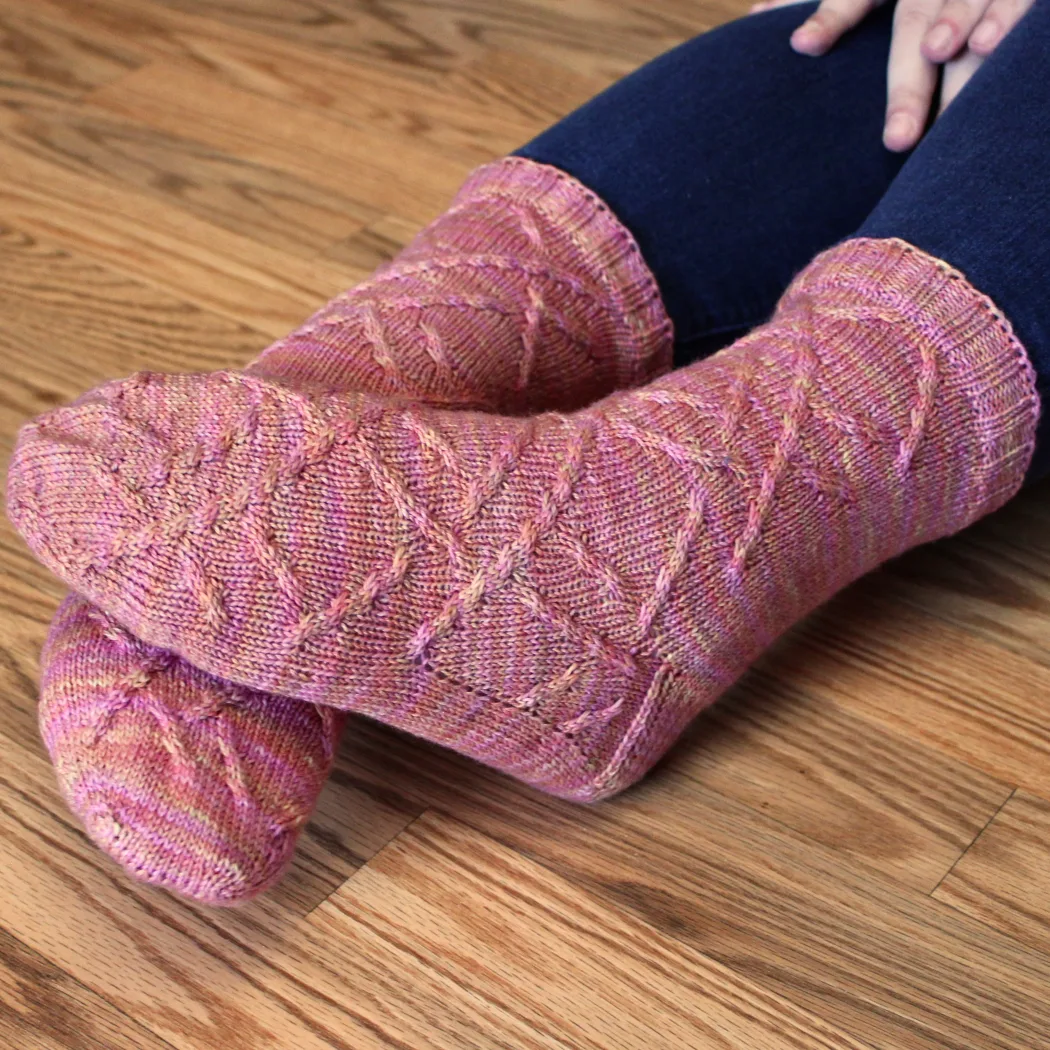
(557, 595)
(526, 294)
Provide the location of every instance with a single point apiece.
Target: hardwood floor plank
(596, 38)
(29, 595)
(43, 58)
(43, 1008)
(839, 779)
(926, 678)
(580, 974)
(993, 580)
(882, 962)
(376, 244)
(490, 106)
(268, 206)
(540, 89)
(1004, 878)
(78, 323)
(352, 822)
(138, 235)
(384, 171)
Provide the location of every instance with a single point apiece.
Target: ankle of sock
(526, 293)
(887, 404)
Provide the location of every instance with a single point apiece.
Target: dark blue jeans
(734, 161)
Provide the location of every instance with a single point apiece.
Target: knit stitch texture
(526, 291)
(526, 294)
(556, 596)
(190, 782)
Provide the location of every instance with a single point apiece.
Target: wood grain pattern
(931, 679)
(490, 105)
(1004, 877)
(990, 580)
(374, 245)
(391, 172)
(153, 242)
(43, 1008)
(267, 205)
(849, 851)
(578, 973)
(877, 959)
(596, 37)
(838, 778)
(41, 57)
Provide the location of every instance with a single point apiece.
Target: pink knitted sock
(526, 293)
(556, 596)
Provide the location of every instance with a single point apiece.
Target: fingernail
(807, 33)
(900, 129)
(985, 35)
(940, 37)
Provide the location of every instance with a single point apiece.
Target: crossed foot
(459, 501)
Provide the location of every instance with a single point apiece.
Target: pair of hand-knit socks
(557, 591)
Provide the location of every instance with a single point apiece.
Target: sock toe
(235, 521)
(189, 783)
(60, 481)
(114, 491)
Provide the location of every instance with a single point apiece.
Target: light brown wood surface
(851, 851)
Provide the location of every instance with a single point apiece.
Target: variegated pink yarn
(189, 781)
(557, 595)
(526, 293)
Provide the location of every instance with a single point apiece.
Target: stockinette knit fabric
(189, 781)
(558, 595)
(526, 293)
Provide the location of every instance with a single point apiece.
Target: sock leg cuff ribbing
(526, 294)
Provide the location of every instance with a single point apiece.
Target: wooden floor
(852, 850)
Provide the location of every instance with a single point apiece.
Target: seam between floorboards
(987, 824)
(368, 863)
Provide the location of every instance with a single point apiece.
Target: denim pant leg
(976, 193)
(733, 161)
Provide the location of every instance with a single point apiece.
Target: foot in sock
(190, 782)
(555, 596)
(526, 294)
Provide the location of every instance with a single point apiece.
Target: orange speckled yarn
(525, 294)
(558, 595)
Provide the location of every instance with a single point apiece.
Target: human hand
(926, 33)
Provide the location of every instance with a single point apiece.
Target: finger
(999, 19)
(954, 24)
(911, 78)
(956, 74)
(820, 31)
(768, 5)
